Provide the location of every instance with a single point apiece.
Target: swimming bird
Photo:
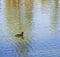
(19, 35)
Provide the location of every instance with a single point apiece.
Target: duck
(20, 35)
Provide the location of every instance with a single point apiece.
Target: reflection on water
(14, 21)
(54, 21)
(38, 19)
(23, 48)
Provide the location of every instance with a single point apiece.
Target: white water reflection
(3, 29)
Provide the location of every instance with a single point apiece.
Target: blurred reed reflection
(45, 5)
(23, 47)
(29, 15)
(14, 22)
(54, 20)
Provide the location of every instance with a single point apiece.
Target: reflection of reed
(14, 16)
(14, 22)
(20, 19)
(45, 5)
(23, 47)
(17, 3)
(45, 1)
(28, 8)
(55, 17)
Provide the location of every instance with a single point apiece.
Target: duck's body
(19, 35)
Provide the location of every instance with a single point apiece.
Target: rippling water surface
(40, 22)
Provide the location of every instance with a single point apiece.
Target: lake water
(40, 22)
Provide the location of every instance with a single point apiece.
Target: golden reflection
(9, 4)
(17, 2)
(28, 1)
(14, 20)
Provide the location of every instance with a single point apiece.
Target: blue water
(34, 48)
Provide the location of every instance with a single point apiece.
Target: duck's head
(22, 32)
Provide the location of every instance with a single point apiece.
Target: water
(40, 22)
